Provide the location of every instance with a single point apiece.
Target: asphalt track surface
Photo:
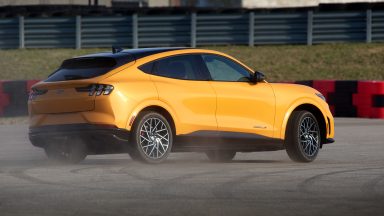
(346, 179)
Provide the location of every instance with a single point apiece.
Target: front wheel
(302, 139)
(152, 138)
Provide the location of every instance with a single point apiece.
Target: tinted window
(187, 67)
(224, 69)
(83, 68)
(147, 68)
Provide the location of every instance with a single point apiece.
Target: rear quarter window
(147, 68)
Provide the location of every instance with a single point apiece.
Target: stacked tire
(351, 98)
(369, 99)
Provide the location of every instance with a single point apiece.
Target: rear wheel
(66, 150)
(152, 138)
(220, 155)
(302, 137)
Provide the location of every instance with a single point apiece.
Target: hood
(294, 91)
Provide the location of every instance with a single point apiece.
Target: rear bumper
(99, 138)
(329, 140)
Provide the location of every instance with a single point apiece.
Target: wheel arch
(316, 112)
(169, 115)
(163, 112)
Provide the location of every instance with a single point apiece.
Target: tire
(220, 155)
(303, 137)
(66, 150)
(152, 138)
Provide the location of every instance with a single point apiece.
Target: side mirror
(258, 77)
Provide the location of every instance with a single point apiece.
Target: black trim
(200, 141)
(329, 140)
(100, 139)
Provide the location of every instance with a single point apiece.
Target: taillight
(96, 89)
(35, 92)
(108, 89)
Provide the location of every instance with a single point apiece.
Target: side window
(147, 68)
(187, 67)
(224, 69)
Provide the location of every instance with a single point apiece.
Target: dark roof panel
(143, 52)
(136, 53)
(130, 55)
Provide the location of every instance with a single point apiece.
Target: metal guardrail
(252, 28)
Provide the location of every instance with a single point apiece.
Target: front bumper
(99, 138)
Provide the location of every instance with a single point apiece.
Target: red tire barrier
(377, 113)
(4, 99)
(351, 98)
(14, 97)
(378, 100)
(326, 88)
(369, 99)
(30, 83)
(371, 87)
(18, 98)
(342, 99)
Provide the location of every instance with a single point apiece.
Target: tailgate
(61, 97)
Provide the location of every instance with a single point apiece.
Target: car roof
(135, 53)
(129, 55)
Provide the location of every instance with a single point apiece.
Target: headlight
(321, 96)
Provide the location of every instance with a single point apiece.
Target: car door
(182, 84)
(242, 106)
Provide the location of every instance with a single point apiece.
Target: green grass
(278, 62)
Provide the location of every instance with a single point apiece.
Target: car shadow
(41, 162)
(256, 161)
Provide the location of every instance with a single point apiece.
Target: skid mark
(370, 186)
(80, 170)
(305, 185)
(21, 174)
(165, 187)
(225, 190)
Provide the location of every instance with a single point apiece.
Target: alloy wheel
(309, 136)
(154, 138)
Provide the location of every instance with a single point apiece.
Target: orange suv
(149, 102)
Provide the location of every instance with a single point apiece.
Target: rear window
(83, 68)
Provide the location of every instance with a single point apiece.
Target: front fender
(294, 105)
